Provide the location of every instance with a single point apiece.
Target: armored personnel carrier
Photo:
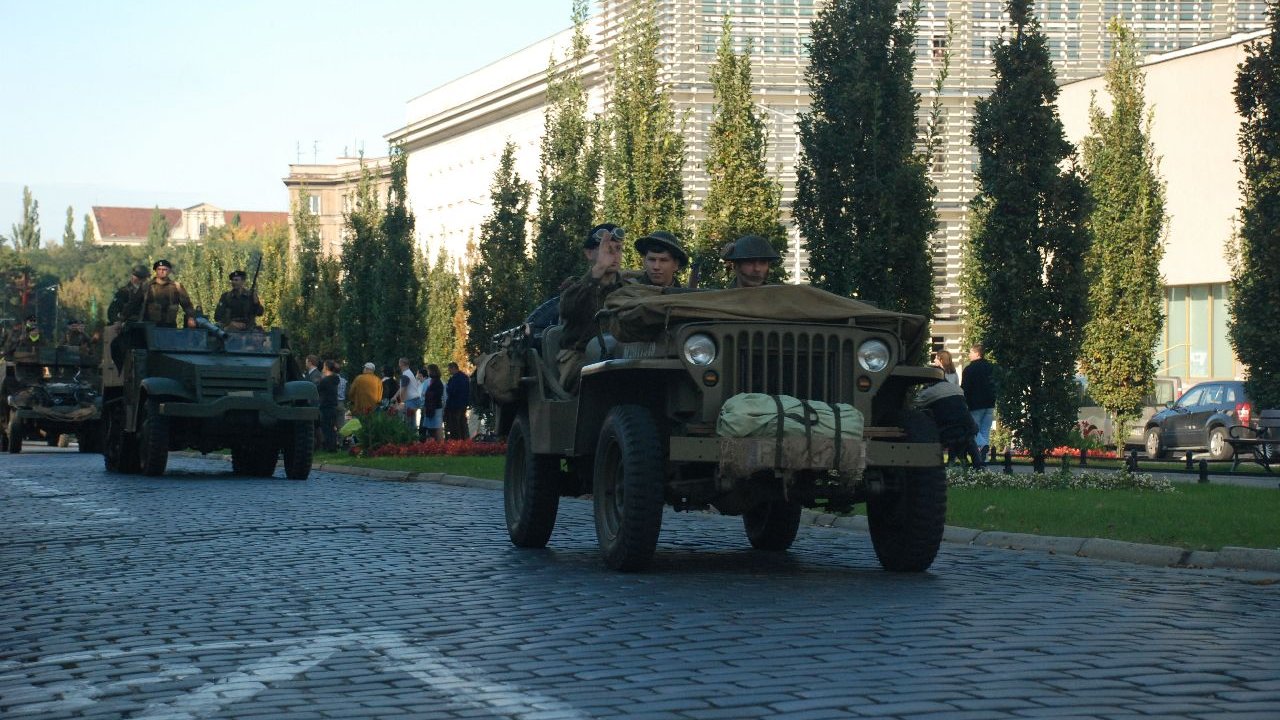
(205, 389)
(49, 394)
(756, 402)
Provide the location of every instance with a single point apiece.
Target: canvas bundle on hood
(757, 415)
(498, 374)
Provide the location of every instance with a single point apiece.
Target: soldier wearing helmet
(137, 280)
(751, 256)
(159, 300)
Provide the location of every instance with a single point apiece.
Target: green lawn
(1196, 517)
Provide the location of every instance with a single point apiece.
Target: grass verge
(1192, 516)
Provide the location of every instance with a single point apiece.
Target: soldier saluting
(137, 281)
(239, 307)
(159, 300)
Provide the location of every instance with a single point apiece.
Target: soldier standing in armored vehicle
(76, 335)
(137, 281)
(662, 259)
(239, 307)
(159, 300)
(583, 298)
(27, 341)
(751, 256)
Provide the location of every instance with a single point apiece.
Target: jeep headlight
(873, 355)
(699, 349)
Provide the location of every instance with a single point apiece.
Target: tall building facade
(330, 189)
(454, 134)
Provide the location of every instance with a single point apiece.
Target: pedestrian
(751, 257)
(342, 385)
(365, 391)
(137, 279)
(662, 258)
(457, 398)
(409, 397)
(238, 308)
(313, 368)
(432, 404)
(160, 298)
(980, 392)
(390, 385)
(327, 388)
(579, 303)
(942, 359)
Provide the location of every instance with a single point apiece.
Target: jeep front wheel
(153, 440)
(530, 489)
(907, 522)
(772, 525)
(628, 488)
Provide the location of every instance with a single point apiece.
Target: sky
(141, 102)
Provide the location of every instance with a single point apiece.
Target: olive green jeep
(205, 389)
(644, 429)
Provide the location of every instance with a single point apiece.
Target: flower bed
(1061, 480)
(435, 447)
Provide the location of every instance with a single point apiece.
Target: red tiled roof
(130, 222)
(257, 219)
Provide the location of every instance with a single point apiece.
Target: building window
(939, 47)
(204, 230)
(1196, 344)
(314, 204)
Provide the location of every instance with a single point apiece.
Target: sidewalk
(1229, 558)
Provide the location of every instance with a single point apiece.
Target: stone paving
(203, 595)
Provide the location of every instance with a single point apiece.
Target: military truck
(48, 395)
(645, 428)
(205, 389)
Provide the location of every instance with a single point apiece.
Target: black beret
(237, 274)
(161, 263)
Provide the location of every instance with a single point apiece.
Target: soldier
(663, 259)
(76, 334)
(751, 256)
(137, 280)
(28, 341)
(584, 297)
(160, 299)
(238, 308)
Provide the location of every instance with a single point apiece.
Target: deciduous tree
(443, 286)
(1126, 296)
(361, 286)
(158, 231)
(499, 289)
(1028, 249)
(69, 230)
(87, 238)
(26, 234)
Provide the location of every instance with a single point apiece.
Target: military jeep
(641, 431)
(205, 389)
(47, 395)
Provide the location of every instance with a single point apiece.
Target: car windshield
(1192, 397)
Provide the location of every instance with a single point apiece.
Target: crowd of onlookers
(434, 406)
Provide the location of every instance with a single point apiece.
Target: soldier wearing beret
(137, 281)
(75, 334)
(159, 300)
(239, 307)
(26, 341)
(662, 258)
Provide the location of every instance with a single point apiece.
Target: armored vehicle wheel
(119, 453)
(298, 446)
(628, 488)
(14, 433)
(906, 523)
(153, 440)
(254, 459)
(530, 489)
(772, 525)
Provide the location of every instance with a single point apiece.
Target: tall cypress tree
(87, 238)
(361, 286)
(743, 199)
(26, 235)
(1029, 247)
(1255, 291)
(1126, 296)
(301, 312)
(499, 288)
(443, 285)
(864, 201)
(643, 183)
(569, 172)
(158, 231)
(399, 330)
(69, 230)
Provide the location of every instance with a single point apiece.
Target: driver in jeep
(583, 298)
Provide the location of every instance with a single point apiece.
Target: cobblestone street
(204, 595)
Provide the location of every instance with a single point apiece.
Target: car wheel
(118, 451)
(530, 489)
(153, 440)
(627, 488)
(298, 448)
(772, 525)
(1153, 443)
(906, 523)
(14, 433)
(1219, 448)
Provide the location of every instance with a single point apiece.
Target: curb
(1228, 558)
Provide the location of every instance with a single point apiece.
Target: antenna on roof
(315, 151)
(298, 151)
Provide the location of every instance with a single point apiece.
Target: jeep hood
(642, 311)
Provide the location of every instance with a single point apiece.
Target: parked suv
(1199, 420)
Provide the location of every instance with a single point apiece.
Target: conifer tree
(1028, 248)
(69, 230)
(743, 199)
(569, 171)
(26, 235)
(499, 289)
(398, 331)
(442, 303)
(87, 237)
(158, 231)
(301, 313)
(361, 286)
(643, 183)
(1126, 296)
(863, 196)
(327, 335)
(1255, 288)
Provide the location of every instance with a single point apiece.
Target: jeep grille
(803, 364)
(216, 382)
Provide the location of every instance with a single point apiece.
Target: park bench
(1262, 440)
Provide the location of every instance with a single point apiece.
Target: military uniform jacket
(76, 337)
(115, 311)
(25, 344)
(238, 306)
(579, 304)
(159, 302)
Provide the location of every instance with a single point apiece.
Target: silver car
(1166, 391)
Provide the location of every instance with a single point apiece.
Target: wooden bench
(1262, 441)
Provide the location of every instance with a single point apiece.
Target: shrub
(382, 427)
